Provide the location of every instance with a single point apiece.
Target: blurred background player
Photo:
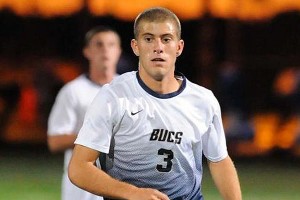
(102, 49)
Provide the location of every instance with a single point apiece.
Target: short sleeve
(62, 118)
(97, 127)
(214, 141)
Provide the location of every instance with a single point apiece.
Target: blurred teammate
(154, 125)
(102, 50)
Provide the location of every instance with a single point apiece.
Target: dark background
(261, 49)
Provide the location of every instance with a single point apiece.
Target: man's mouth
(158, 59)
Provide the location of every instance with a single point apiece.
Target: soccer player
(102, 49)
(152, 126)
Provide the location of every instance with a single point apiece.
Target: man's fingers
(161, 196)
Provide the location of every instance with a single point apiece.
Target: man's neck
(102, 77)
(167, 85)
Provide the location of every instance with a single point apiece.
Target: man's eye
(148, 39)
(166, 40)
(99, 44)
(112, 44)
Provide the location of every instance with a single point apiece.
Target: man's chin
(103, 68)
(158, 76)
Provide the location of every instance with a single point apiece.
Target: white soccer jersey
(155, 140)
(67, 116)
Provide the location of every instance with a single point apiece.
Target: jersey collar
(178, 75)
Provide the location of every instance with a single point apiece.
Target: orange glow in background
(127, 10)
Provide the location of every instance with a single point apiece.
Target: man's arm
(226, 179)
(60, 143)
(84, 174)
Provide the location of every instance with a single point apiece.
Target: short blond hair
(156, 14)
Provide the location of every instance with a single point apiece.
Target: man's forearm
(84, 174)
(60, 143)
(226, 179)
(98, 182)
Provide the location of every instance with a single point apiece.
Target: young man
(154, 125)
(102, 50)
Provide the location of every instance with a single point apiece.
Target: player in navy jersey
(151, 127)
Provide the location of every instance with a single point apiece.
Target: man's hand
(148, 194)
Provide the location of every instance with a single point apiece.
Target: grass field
(34, 174)
(263, 179)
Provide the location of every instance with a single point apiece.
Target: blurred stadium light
(247, 10)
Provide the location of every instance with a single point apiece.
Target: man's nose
(158, 47)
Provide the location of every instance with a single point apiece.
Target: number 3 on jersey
(168, 159)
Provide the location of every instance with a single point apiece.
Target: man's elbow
(72, 172)
(52, 146)
(60, 143)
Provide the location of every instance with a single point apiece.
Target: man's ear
(135, 47)
(179, 48)
(85, 53)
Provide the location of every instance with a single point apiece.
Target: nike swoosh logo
(134, 113)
